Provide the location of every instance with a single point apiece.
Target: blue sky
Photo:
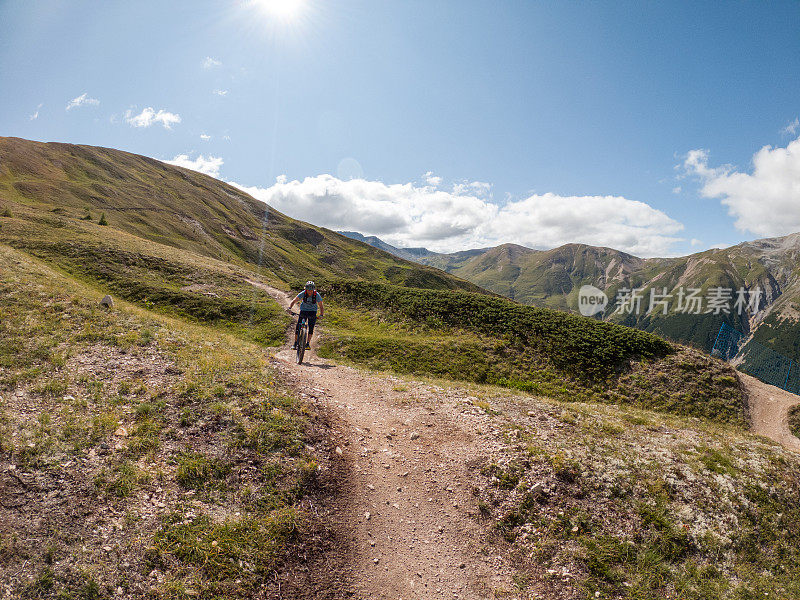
(445, 124)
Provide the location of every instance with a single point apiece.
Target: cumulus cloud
(209, 62)
(765, 201)
(210, 165)
(791, 127)
(478, 188)
(408, 214)
(82, 100)
(432, 179)
(149, 117)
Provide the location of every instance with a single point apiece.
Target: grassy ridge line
(173, 281)
(217, 426)
(369, 325)
(69, 186)
(229, 302)
(577, 344)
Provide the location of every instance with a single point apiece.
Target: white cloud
(35, 114)
(695, 242)
(677, 189)
(209, 62)
(432, 179)
(766, 201)
(149, 117)
(220, 92)
(210, 165)
(82, 100)
(411, 215)
(791, 127)
(205, 137)
(478, 188)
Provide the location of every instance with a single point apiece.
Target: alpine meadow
(340, 299)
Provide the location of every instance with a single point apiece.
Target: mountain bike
(302, 339)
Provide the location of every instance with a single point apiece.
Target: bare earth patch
(769, 411)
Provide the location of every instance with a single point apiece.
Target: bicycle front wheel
(301, 344)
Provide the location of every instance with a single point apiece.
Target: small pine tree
(7, 212)
(102, 220)
(88, 217)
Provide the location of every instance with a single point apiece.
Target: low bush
(573, 343)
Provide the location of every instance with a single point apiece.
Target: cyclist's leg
(312, 320)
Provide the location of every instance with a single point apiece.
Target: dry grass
(123, 430)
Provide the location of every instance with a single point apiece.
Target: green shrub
(102, 220)
(197, 471)
(243, 549)
(573, 343)
(120, 480)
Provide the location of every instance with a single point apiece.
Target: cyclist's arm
(294, 301)
(321, 308)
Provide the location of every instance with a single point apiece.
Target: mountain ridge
(179, 207)
(553, 278)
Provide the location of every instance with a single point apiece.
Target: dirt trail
(769, 411)
(407, 509)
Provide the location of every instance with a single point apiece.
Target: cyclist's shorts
(311, 316)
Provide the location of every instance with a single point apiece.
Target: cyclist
(309, 300)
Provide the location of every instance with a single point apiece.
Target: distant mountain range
(554, 277)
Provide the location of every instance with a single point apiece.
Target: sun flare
(286, 10)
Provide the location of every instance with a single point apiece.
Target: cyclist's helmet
(310, 285)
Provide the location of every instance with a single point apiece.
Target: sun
(285, 10)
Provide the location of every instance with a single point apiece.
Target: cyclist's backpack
(313, 297)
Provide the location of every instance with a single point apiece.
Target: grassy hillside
(552, 278)
(176, 282)
(175, 240)
(473, 337)
(58, 185)
(203, 271)
(140, 452)
(153, 449)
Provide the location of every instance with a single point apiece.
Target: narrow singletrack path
(407, 509)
